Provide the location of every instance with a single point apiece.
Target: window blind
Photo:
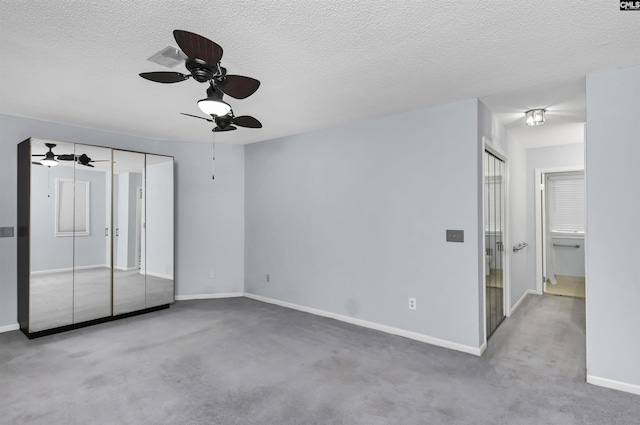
(493, 203)
(565, 202)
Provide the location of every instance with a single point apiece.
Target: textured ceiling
(321, 63)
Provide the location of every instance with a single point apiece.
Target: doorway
(560, 231)
(494, 239)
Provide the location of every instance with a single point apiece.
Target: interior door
(494, 233)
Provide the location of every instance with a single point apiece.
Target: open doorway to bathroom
(560, 228)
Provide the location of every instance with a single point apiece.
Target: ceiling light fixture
(535, 117)
(49, 160)
(214, 105)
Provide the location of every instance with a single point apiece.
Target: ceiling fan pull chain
(213, 162)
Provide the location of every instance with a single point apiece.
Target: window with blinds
(565, 202)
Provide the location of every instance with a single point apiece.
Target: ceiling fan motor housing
(200, 70)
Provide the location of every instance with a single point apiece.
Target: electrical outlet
(210, 274)
(412, 303)
(268, 278)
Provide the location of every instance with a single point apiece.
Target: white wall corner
(517, 304)
(476, 351)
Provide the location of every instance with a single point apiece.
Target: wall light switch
(455, 235)
(6, 232)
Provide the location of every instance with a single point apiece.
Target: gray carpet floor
(240, 361)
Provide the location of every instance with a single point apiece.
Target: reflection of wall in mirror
(49, 252)
(159, 216)
(125, 188)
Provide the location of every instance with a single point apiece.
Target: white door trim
(502, 155)
(539, 191)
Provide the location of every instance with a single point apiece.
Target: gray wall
(490, 127)
(50, 252)
(209, 214)
(570, 155)
(351, 220)
(613, 202)
(570, 261)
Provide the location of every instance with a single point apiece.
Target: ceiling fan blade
(66, 157)
(196, 116)
(247, 121)
(164, 77)
(238, 86)
(87, 165)
(230, 128)
(37, 154)
(35, 163)
(100, 160)
(197, 46)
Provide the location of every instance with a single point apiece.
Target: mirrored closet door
(92, 227)
(158, 256)
(129, 280)
(52, 225)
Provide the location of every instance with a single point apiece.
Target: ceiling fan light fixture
(49, 160)
(214, 107)
(535, 117)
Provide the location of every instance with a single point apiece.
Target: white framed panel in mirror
(72, 211)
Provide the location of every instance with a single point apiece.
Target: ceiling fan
(203, 64)
(51, 160)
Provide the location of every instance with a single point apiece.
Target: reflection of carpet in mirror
(569, 286)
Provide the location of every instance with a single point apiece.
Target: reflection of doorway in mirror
(138, 226)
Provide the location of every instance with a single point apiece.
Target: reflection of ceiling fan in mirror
(51, 160)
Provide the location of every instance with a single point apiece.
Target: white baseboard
(209, 296)
(70, 269)
(517, 304)
(161, 276)
(614, 385)
(125, 269)
(8, 328)
(477, 351)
